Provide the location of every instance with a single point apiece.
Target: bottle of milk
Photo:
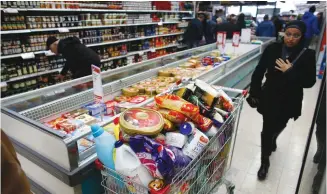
(128, 164)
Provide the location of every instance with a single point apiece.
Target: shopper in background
(254, 22)
(194, 31)
(13, 178)
(320, 156)
(219, 14)
(266, 28)
(288, 67)
(320, 18)
(311, 22)
(228, 27)
(278, 24)
(210, 30)
(219, 21)
(78, 57)
(241, 21)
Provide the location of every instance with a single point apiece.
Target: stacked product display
(115, 30)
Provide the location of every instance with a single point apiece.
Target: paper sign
(153, 50)
(224, 38)
(236, 39)
(220, 36)
(28, 55)
(10, 10)
(63, 30)
(246, 35)
(141, 53)
(160, 23)
(97, 85)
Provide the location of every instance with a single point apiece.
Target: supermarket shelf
(104, 10)
(31, 75)
(187, 18)
(132, 39)
(11, 56)
(79, 27)
(137, 52)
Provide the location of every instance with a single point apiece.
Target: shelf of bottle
(66, 29)
(29, 76)
(138, 52)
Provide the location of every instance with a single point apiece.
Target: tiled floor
(285, 162)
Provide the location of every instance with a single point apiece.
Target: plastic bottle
(104, 145)
(128, 164)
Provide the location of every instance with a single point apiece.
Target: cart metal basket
(204, 174)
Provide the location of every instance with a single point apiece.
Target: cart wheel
(231, 189)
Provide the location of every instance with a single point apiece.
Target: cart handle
(243, 92)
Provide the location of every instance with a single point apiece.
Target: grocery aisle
(285, 162)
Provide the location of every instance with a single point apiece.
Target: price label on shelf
(236, 39)
(153, 50)
(10, 10)
(97, 84)
(220, 36)
(28, 55)
(63, 30)
(160, 23)
(48, 53)
(141, 53)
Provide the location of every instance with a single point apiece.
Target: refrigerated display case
(54, 160)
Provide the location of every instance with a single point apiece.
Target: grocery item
(138, 99)
(156, 184)
(128, 164)
(173, 116)
(97, 109)
(224, 102)
(204, 109)
(122, 98)
(84, 144)
(141, 121)
(86, 119)
(168, 126)
(217, 119)
(215, 54)
(140, 87)
(187, 128)
(187, 65)
(110, 107)
(206, 93)
(75, 113)
(181, 160)
(130, 92)
(151, 91)
(175, 139)
(195, 144)
(104, 145)
(160, 138)
(122, 106)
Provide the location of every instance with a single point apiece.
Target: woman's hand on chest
(282, 65)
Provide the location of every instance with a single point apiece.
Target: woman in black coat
(288, 67)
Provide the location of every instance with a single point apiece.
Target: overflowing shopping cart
(204, 174)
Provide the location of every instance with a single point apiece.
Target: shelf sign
(10, 10)
(48, 53)
(97, 84)
(220, 38)
(63, 30)
(28, 55)
(236, 39)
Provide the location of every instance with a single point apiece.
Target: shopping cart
(203, 175)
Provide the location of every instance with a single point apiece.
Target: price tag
(236, 39)
(153, 50)
(63, 30)
(97, 84)
(59, 91)
(220, 36)
(3, 84)
(10, 10)
(28, 55)
(160, 23)
(141, 53)
(48, 53)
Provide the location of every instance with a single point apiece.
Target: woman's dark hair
(241, 21)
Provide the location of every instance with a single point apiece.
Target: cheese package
(75, 113)
(151, 91)
(224, 102)
(122, 98)
(138, 99)
(164, 73)
(86, 119)
(130, 92)
(140, 87)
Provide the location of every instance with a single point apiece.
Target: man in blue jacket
(311, 22)
(266, 28)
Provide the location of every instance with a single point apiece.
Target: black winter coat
(78, 57)
(194, 31)
(229, 28)
(282, 93)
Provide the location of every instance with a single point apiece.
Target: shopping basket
(201, 176)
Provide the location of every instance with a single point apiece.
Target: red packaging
(53, 123)
(111, 107)
(138, 99)
(66, 126)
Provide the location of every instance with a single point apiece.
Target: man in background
(278, 24)
(194, 31)
(311, 22)
(266, 28)
(219, 14)
(79, 58)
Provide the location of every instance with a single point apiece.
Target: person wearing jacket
(241, 21)
(194, 31)
(311, 22)
(288, 67)
(266, 28)
(78, 57)
(278, 26)
(209, 32)
(219, 14)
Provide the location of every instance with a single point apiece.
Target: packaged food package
(122, 98)
(181, 160)
(224, 101)
(195, 62)
(84, 144)
(122, 106)
(173, 116)
(110, 106)
(195, 144)
(157, 186)
(170, 79)
(86, 119)
(176, 103)
(206, 93)
(196, 58)
(175, 139)
(138, 99)
(66, 126)
(217, 119)
(168, 126)
(151, 91)
(215, 54)
(53, 123)
(141, 121)
(130, 92)
(204, 109)
(160, 138)
(164, 73)
(140, 87)
(75, 113)
(187, 65)
(161, 90)
(185, 92)
(96, 109)
(160, 163)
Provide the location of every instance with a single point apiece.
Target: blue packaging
(97, 109)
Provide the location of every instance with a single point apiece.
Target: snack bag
(168, 126)
(224, 101)
(173, 116)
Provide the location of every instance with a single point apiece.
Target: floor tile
(252, 185)
(289, 178)
(284, 189)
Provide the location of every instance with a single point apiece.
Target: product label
(236, 39)
(97, 84)
(175, 139)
